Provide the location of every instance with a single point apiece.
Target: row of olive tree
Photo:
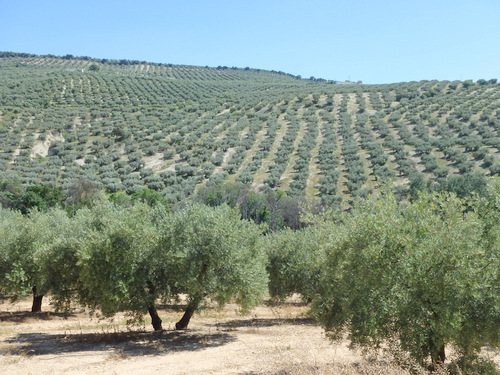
(112, 259)
(423, 277)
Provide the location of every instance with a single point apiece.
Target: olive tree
(11, 225)
(211, 254)
(117, 265)
(58, 256)
(21, 269)
(29, 263)
(295, 259)
(423, 276)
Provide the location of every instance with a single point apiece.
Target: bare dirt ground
(41, 148)
(270, 340)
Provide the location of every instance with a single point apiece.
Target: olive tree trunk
(37, 301)
(188, 313)
(155, 318)
(438, 355)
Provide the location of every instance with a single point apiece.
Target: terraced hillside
(127, 125)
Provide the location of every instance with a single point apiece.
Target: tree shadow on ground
(26, 316)
(258, 323)
(278, 303)
(128, 343)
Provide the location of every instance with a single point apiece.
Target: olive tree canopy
(211, 254)
(425, 276)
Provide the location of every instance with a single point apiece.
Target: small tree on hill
(82, 193)
(41, 197)
(468, 83)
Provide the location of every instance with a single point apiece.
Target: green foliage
(272, 208)
(150, 197)
(82, 193)
(10, 192)
(468, 83)
(295, 259)
(118, 267)
(466, 185)
(41, 197)
(422, 276)
(57, 252)
(29, 264)
(463, 185)
(211, 254)
(115, 258)
(120, 198)
(12, 246)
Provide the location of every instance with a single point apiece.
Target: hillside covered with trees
(130, 125)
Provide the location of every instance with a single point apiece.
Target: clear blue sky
(378, 41)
